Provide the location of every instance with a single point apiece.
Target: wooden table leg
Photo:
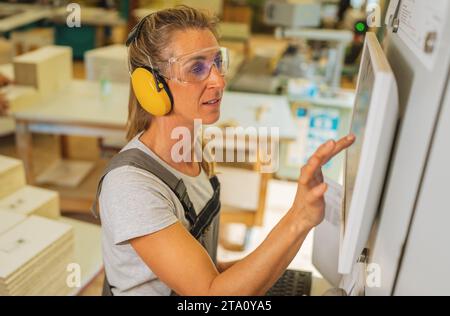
(25, 148)
(64, 146)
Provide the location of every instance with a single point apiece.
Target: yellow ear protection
(150, 88)
(152, 91)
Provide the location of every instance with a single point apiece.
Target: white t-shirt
(136, 203)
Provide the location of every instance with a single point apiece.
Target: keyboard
(292, 283)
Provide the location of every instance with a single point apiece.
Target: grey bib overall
(198, 223)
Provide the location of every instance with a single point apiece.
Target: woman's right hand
(309, 203)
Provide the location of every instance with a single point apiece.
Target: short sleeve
(134, 203)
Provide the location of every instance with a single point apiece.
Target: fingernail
(351, 137)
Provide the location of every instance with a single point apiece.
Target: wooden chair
(243, 198)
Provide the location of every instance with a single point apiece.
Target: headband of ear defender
(150, 88)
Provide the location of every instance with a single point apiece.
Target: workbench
(81, 110)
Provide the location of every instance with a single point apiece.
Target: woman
(149, 244)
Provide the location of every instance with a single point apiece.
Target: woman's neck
(159, 139)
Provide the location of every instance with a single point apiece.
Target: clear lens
(197, 66)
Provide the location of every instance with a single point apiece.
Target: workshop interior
(303, 71)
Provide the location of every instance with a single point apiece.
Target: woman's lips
(212, 102)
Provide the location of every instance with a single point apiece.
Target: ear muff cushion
(155, 102)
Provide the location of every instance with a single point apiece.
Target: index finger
(323, 151)
(341, 144)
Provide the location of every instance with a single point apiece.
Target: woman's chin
(211, 117)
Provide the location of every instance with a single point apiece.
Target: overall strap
(137, 158)
(209, 211)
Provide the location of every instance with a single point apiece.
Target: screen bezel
(374, 156)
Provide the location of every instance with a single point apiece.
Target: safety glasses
(196, 67)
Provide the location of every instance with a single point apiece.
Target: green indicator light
(360, 27)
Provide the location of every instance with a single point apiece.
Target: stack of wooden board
(34, 250)
(9, 220)
(28, 40)
(31, 200)
(107, 63)
(48, 69)
(7, 126)
(34, 255)
(19, 97)
(6, 51)
(12, 175)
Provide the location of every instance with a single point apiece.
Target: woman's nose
(215, 77)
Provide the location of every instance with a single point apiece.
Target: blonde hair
(152, 43)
